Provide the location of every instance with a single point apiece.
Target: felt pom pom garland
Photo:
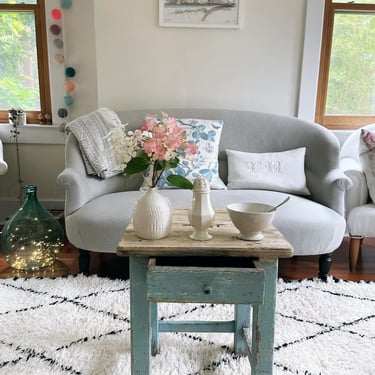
(56, 31)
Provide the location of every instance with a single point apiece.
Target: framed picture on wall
(199, 13)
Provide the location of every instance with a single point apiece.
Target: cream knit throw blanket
(90, 131)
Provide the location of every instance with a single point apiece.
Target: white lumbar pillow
(280, 171)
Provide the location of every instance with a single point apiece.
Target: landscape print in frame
(199, 13)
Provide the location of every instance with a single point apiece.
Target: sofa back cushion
(251, 131)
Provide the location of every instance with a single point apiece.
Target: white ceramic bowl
(251, 219)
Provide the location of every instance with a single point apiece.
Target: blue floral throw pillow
(206, 135)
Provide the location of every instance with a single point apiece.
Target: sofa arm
(76, 190)
(337, 178)
(330, 189)
(81, 189)
(357, 195)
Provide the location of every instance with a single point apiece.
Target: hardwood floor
(109, 265)
(307, 267)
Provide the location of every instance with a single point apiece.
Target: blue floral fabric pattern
(206, 135)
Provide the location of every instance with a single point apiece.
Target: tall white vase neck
(201, 214)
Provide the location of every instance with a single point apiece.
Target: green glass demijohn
(32, 238)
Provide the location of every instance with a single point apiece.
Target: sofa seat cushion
(326, 228)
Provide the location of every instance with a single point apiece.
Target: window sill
(33, 134)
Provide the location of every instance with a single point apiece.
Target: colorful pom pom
(58, 43)
(70, 72)
(59, 58)
(56, 14)
(66, 3)
(55, 29)
(69, 86)
(62, 112)
(68, 100)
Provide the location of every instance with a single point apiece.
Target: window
(24, 77)
(346, 87)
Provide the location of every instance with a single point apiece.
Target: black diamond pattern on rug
(80, 325)
(332, 324)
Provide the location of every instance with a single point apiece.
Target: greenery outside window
(346, 87)
(24, 76)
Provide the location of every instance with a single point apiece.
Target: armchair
(359, 208)
(3, 164)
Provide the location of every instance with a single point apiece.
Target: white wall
(124, 60)
(143, 65)
(311, 59)
(79, 52)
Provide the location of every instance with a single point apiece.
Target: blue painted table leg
(154, 329)
(241, 320)
(263, 326)
(140, 316)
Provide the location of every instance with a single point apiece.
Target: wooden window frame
(42, 52)
(336, 121)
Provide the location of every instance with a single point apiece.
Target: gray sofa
(97, 211)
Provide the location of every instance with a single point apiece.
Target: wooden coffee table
(247, 279)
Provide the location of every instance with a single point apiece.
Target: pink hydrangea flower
(158, 144)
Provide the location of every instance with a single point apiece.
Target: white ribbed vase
(152, 217)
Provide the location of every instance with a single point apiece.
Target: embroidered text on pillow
(267, 166)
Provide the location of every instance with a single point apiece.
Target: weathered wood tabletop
(223, 243)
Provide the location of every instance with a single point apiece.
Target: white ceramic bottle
(201, 214)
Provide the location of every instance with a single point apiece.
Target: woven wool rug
(80, 325)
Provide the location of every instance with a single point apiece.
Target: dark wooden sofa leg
(355, 245)
(84, 262)
(325, 261)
